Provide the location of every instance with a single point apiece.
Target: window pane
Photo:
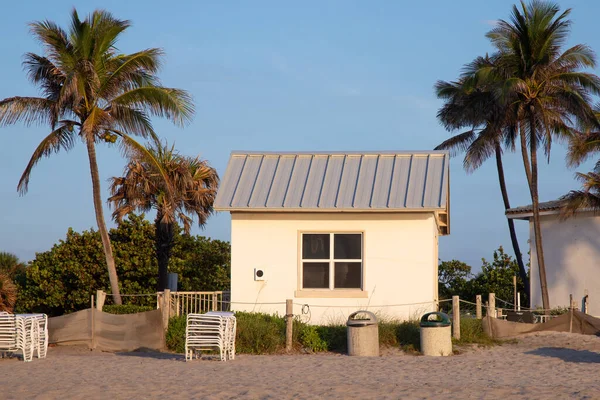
(348, 275)
(315, 275)
(347, 246)
(315, 246)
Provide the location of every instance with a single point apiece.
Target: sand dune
(540, 366)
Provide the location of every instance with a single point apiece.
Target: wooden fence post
(289, 324)
(478, 306)
(492, 305)
(100, 298)
(515, 293)
(455, 317)
(166, 308)
(214, 301)
(570, 313)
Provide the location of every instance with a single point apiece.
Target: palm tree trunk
(110, 261)
(163, 246)
(511, 224)
(533, 187)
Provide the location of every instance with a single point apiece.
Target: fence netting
(580, 323)
(108, 332)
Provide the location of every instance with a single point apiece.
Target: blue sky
(270, 75)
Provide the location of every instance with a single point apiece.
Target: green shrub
(259, 333)
(334, 336)
(126, 309)
(310, 338)
(175, 338)
(405, 335)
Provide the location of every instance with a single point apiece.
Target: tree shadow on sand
(567, 355)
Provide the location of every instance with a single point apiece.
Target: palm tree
(581, 147)
(91, 90)
(544, 89)
(471, 104)
(175, 186)
(10, 264)
(8, 293)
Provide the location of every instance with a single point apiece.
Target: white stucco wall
(572, 255)
(400, 263)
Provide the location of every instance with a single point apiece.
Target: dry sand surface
(539, 366)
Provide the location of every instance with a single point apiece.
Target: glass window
(315, 246)
(315, 275)
(347, 246)
(337, 268)
(348, 275)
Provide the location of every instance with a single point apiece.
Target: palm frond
(174, 104)
(59, 139)
(29, 110)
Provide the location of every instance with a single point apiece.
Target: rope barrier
(468, 302)
(369, 306)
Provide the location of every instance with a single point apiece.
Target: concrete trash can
(363, 334)
(436, 335)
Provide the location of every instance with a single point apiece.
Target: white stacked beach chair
(8, 333)
(230, 330)
(24, 332)
(26, 336)
(209, 331)
(40, 342)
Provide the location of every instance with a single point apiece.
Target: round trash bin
(436, 335)
(363, 334)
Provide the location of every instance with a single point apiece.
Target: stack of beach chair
(24, 332)
(210, 331)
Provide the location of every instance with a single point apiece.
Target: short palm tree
(92, 92)
(8, 293)
(10, 264)
(470, 104)
(544, 89)
(176, 186)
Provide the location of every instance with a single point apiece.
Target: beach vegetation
(62, 279)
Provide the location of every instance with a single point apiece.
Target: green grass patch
(471, 332)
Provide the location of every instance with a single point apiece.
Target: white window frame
(331, 291)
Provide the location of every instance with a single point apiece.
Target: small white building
(336, 232)
(571, 253)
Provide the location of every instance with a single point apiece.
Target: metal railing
(183, 303)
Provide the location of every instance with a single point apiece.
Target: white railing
(183, 303)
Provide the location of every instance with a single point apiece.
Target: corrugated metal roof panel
(281, 181)
(347, 188)
(383, 182)
(297, 182)
(331, 184)
(264, 181)
(366, 178)
(314, 182)
(370, 181)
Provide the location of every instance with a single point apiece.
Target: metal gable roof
(370, 181)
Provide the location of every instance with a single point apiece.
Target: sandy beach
(539, 366)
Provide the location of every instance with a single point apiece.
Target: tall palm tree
(176, 186)
(469, 103)
(544, 87)
(91, 91)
